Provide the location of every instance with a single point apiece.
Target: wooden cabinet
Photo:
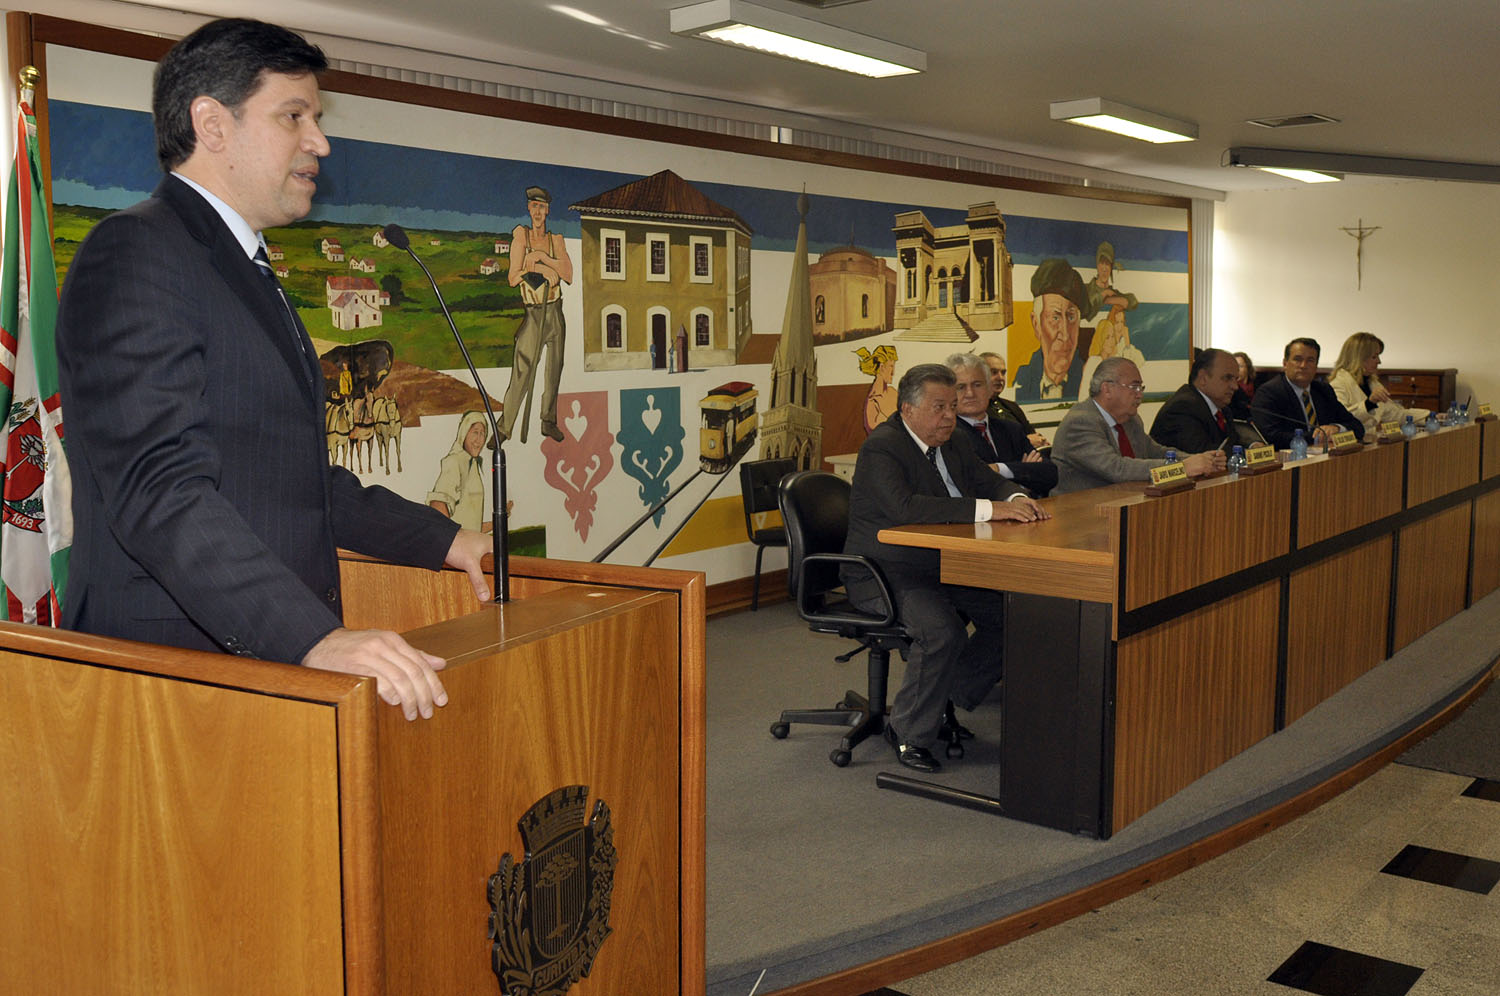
(1430, 389)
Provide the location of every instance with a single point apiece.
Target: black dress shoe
(952, 728)
(916, 758)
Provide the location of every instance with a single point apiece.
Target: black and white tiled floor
(1387, 890)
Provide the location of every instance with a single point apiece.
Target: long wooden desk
(1149, 640)
(181, 822)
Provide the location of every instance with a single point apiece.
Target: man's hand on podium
(468, 549)
(404, 675)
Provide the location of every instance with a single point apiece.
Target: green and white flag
(37, 527)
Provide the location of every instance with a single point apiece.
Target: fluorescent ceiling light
(736, 22)
(1122, 119)
(1343, 163)
(1305, 175)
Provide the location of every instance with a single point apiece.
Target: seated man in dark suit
(1103, 441)
(913, 468)
(999, 442)
(1006, 408)
(1298, 400)
(1200, 416)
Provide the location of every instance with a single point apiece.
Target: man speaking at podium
(206, 513)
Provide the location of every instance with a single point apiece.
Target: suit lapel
(243, 277)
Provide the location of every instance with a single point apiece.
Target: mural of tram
(728, 426)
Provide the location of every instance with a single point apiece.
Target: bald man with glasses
(1103, 440)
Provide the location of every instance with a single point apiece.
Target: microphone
(500, 519)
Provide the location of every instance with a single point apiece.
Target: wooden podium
(180, 822)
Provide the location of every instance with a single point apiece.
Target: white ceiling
(1407, 78)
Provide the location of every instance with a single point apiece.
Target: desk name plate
(1342, 443)
(1485, 415)
(1168, 479)
(1259, 460)
(1389, 432)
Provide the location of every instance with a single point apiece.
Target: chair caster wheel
(840, 758)
(780, 730)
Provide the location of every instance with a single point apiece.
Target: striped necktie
(1308, 412)
(264, 264)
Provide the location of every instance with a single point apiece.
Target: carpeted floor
(812, 869)
(1470, 745)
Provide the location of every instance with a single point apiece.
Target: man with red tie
(1103, 441)
(1201, 415)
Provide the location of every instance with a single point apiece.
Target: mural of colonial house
(327, 244)
(792, 428)
(333, 250)
(489, 266)
(362, 265)
(502, 247)
(380, 240)
(954, 281)
(283, 270)
(853, 291)
(274, 252)
(658, 255)
(351, 311)
(363, 287)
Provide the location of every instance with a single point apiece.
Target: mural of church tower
(792, 428)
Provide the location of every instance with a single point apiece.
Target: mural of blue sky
(105, 158)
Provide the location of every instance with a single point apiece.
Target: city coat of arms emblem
(550, 911)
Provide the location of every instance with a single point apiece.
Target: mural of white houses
(333, 250)
(659, 255)
(502, 247)
(362, 265)
(274, 252)
(355, 302)
(380, 240)
(953, 280)
(489, 266)
(283, 270)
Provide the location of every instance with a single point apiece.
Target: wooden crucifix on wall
(1359, 233)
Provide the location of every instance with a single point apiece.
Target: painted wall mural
(647, 315)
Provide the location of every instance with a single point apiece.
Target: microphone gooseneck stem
(500, 519)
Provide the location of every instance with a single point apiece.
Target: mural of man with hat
(1102, 293)
(1055, 370)
(539, 265)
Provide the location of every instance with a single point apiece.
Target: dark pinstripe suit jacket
(206, 514)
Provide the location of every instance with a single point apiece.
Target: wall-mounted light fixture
(1122, 119)
(736, 22)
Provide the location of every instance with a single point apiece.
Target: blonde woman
(1358, 389)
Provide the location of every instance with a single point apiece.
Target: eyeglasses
(1135, 386)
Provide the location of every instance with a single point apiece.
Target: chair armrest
(816, 613)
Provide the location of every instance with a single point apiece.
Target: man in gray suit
(1103, 441)
(206, 513)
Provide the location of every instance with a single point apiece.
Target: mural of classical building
(660, 256)
(954, 281)
(792, 427)
(853, 294)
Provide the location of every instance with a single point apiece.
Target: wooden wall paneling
(1432, 572)
(1440, 464)
(1190, 694)
(1183, 540)
(576, 686)
(1346, 492)
(1486, 545)
(1338, 612)
(155, 824)
(1490, 443)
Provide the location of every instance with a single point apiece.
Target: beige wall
(1283, 268)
